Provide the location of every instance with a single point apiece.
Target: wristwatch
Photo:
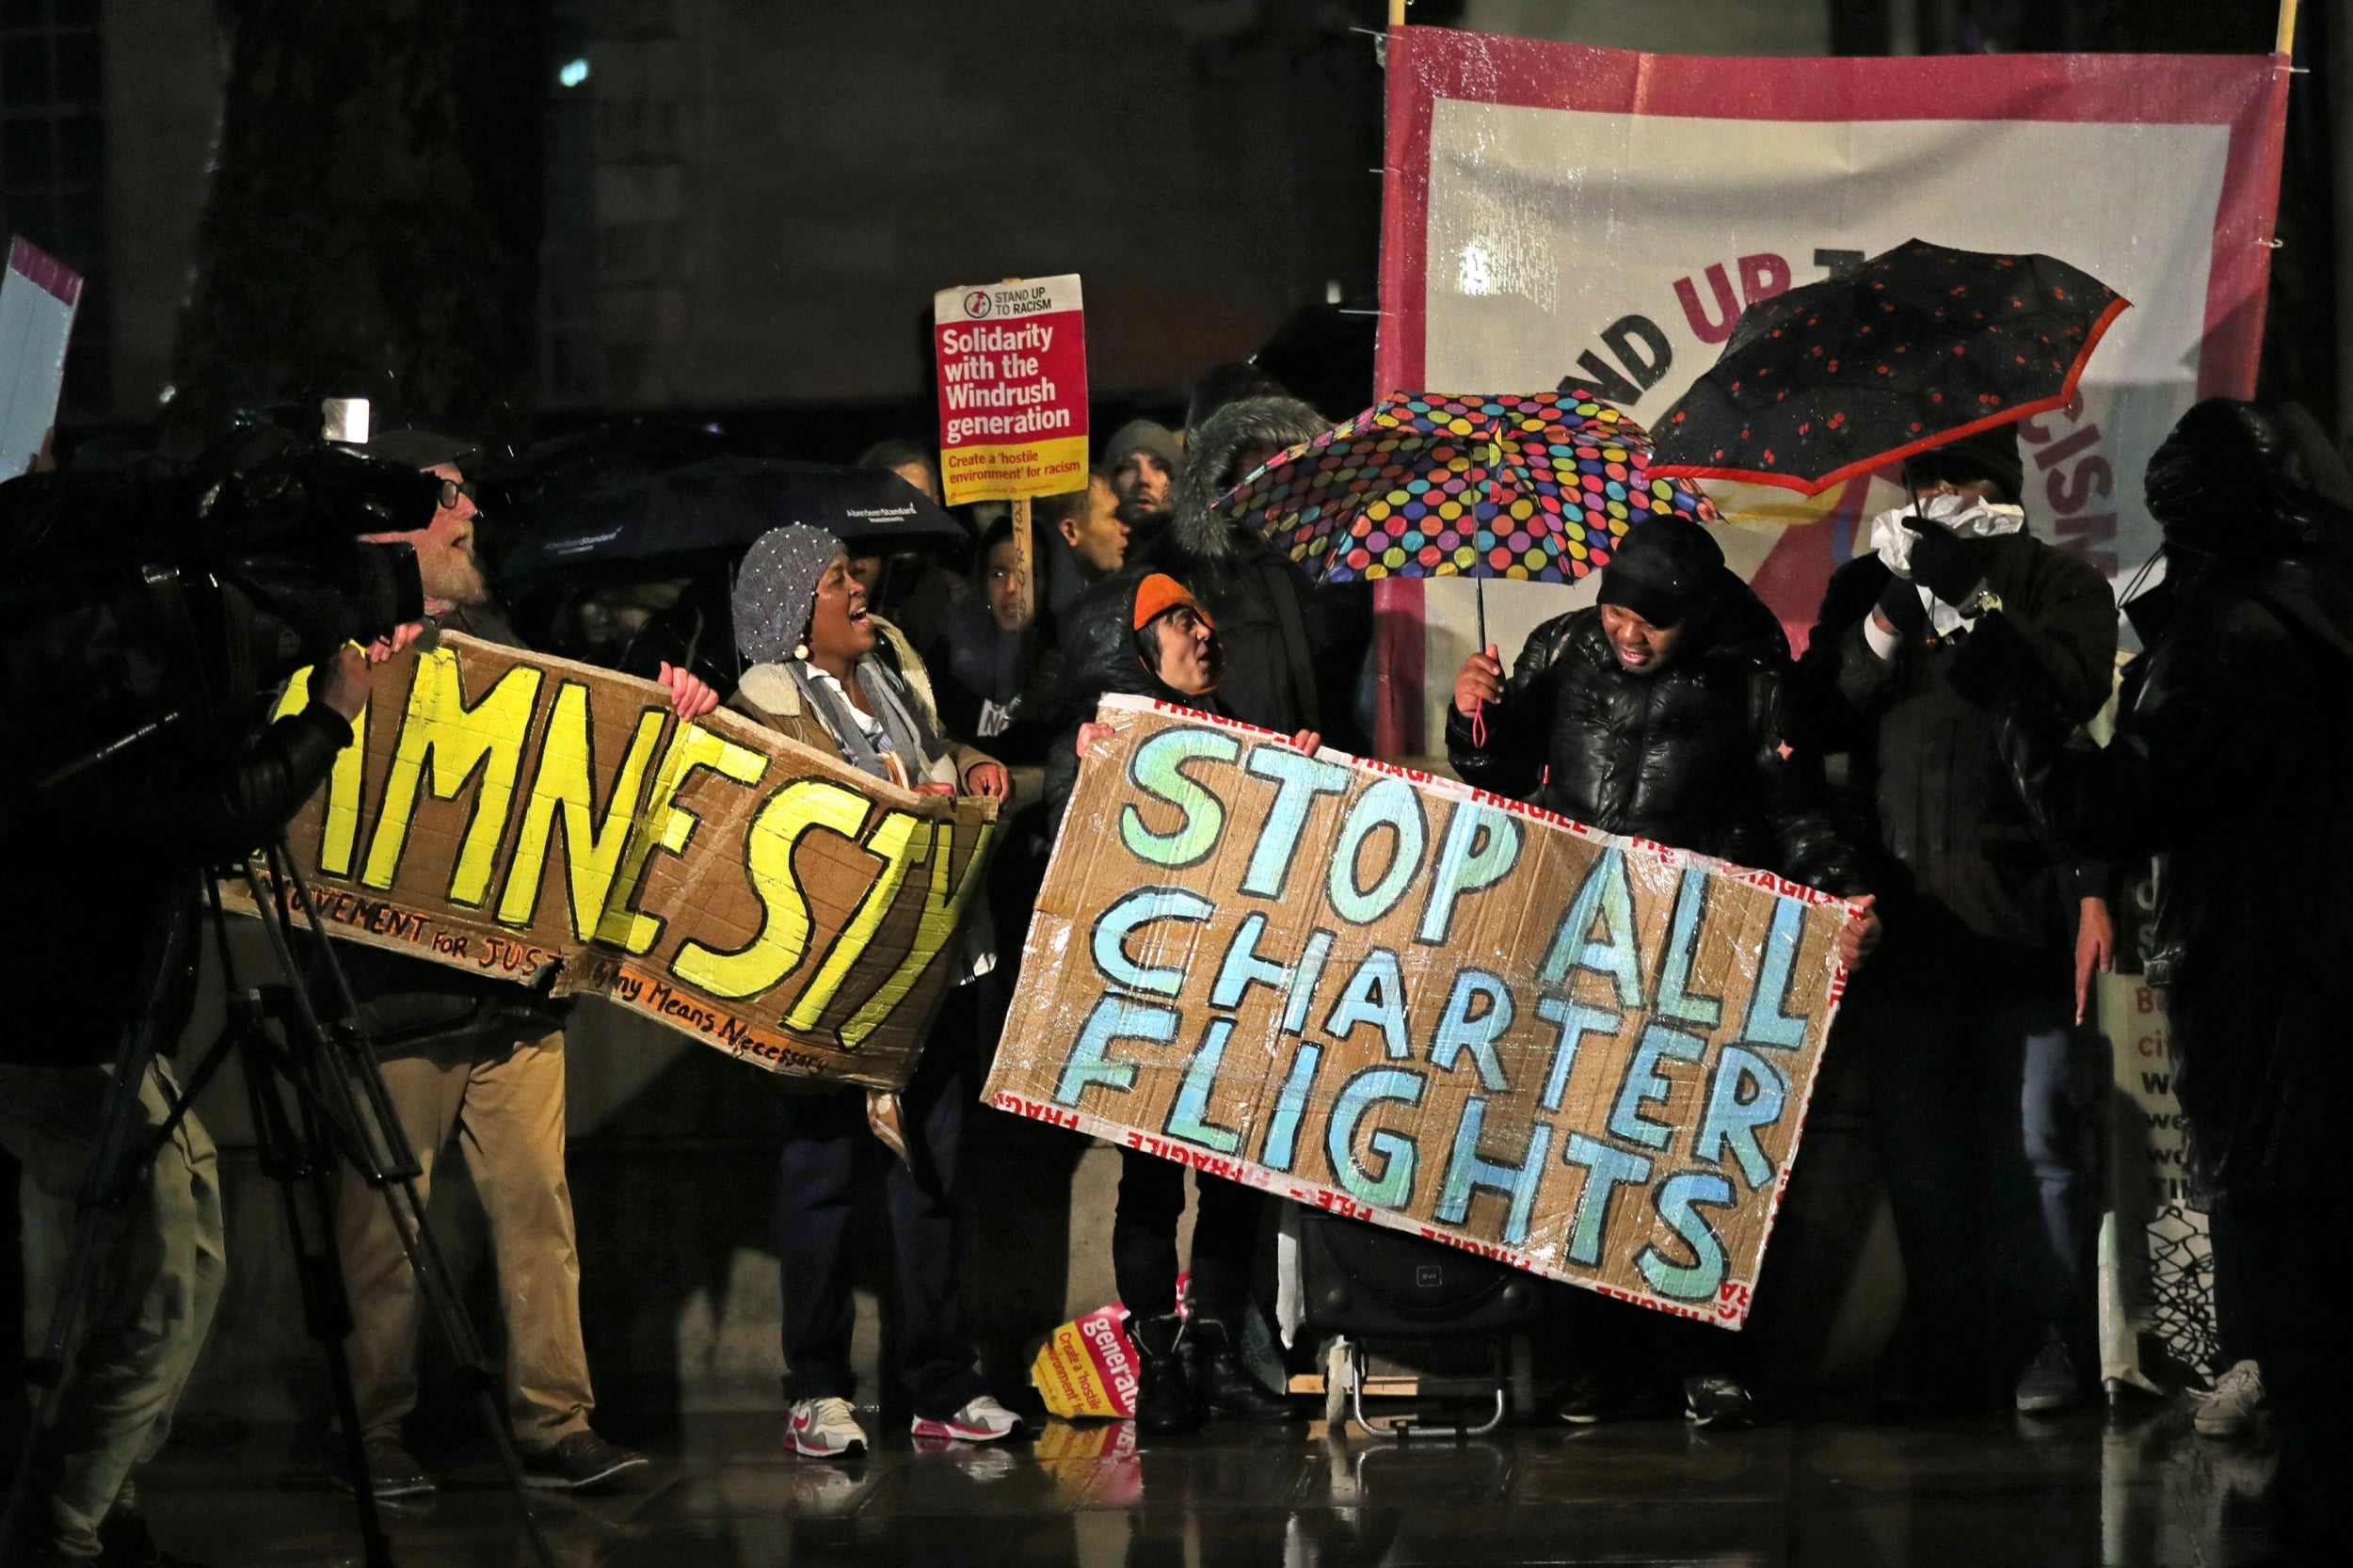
(1984, 600)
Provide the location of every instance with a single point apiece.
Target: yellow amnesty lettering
(798, 809)
(669, 825)
(943, 906)
(566, 783)
(900, 843)
(339, 836)
(441, 745)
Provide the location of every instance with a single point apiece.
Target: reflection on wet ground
(721, 1495)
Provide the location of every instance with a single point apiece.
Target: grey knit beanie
(776, 588)
(1143, 435)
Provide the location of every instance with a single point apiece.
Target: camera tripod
(318, 1102)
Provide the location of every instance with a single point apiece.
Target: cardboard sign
(1418, 1004)
(1013, 389)
(38, 298)
(511, 813)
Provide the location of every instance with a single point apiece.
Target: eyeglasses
(451, 491)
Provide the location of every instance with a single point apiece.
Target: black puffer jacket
(1098, 657)
(1690, 757)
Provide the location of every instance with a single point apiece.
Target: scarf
(1972, 519)
(901, 735)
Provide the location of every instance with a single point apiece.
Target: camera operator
(481, 1059)
(120, 853)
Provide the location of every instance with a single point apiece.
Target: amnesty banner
(511, 813)
(1414, 1003)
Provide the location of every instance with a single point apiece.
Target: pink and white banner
(1555, 212)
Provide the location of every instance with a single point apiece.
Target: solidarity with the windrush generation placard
(509, 812)
(1411, 1002)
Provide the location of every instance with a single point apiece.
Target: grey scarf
(905, 731)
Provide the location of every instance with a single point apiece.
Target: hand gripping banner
(1412, 1002)
(511, 814)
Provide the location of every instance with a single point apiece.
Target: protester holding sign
(1657, 713)
(820, 674)
(480, 1058)
(1143, 633)
(1289, 666)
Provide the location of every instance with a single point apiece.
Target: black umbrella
(724, 502)
(1912, 349)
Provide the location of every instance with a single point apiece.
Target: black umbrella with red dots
(1913, 349)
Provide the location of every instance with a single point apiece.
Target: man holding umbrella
(1928, 356)
(1966, 1020)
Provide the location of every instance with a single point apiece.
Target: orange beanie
(1161, 593)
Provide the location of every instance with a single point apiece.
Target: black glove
(1943, 561)
(1901, 605)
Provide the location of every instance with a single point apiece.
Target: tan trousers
(506, 1110)
(157, 1278)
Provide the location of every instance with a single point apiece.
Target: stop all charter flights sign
(1411, 1002)
(1013, 389)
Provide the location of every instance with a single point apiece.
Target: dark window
(52, 167)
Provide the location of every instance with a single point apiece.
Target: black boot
(1163, 1394)
(1227, 1389)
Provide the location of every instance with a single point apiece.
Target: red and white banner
(1559, 212)
(1013, 389)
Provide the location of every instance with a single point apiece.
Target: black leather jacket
(2236, 763)
(1098, 656)
(1690, 757)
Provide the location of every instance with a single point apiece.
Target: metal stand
(317, 1101)
(1346, 1382)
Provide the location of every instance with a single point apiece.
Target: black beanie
(1667, 568)
(1988, 453)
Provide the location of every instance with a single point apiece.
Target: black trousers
(1143, 1238)
(2292, 1327)
(825, 1137)
(1963, 1041)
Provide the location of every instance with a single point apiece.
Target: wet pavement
(720, 1495)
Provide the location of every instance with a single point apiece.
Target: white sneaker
(980, 1420)
(2229, 1409)
(822, 1428)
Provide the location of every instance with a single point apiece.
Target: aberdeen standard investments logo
(976, 304)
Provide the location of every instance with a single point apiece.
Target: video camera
(178, 596)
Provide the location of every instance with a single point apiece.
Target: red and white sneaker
(980, 1420)
(822, 1428)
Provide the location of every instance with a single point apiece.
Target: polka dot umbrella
(1538, 487)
